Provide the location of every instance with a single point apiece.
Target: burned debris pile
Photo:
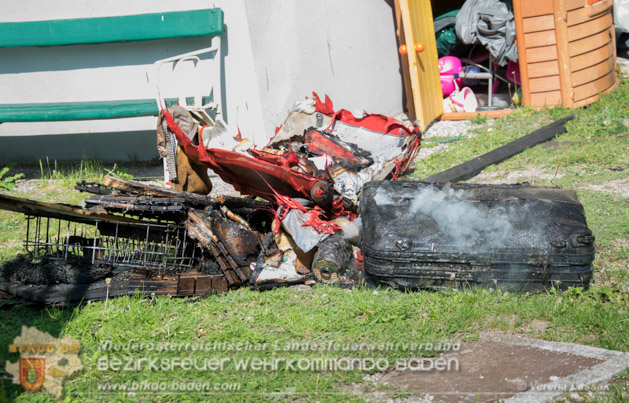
(125, 241)
(316, 198)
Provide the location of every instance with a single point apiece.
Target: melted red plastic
(266, 175)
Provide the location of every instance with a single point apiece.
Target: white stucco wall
(275, 52)
(344, 48)
(113, 71)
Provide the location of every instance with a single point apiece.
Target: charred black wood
(163, 208)
(240, 242)
(142, 281)
(237, 203)
(473, 167)
(54, 271)
(139, 188)
(65, 293)
(254, 211)
(201, 227)
(93, 187)
(209, 265)
(60, 211)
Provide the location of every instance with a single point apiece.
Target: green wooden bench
(142, 27)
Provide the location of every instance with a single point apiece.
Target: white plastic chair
(191, 89)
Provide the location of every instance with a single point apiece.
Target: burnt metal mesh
(153, 246)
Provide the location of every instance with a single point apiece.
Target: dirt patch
(557, 145)
(219, 187)
(619, 187)
(487, 371)
(444, 128)
(513, 176)
(447, 131)
(537, 326)
(27, 185)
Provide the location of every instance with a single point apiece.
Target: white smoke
(465, 220)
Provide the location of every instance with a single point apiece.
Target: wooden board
(565, 49)
(541, 54)
(141, 188)
(589, 44)
(535, 39)
(550, 98)
(519, 10)
(539, 23)
(589, 28)
(594, 87)
(542, 69)
(594, 98)
(63, 211)
(573, 4)
(563, 60)
(534, 8)
(579, 15)
(140, 27)
(187, 283)
(591, 58)
(544, 84)
(406, 78)
(594, 72)
(423, 66)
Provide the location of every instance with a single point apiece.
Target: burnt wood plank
(135, 187)
(473, 167)
(64, 293)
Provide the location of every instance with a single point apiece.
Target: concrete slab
(511, 369)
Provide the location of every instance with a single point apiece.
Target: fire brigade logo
(44, 362)
(32, 373)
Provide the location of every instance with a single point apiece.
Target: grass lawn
(284, 324)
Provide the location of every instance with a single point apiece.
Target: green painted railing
(50, 112)
(208, 22)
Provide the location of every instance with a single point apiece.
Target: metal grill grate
(153, 246)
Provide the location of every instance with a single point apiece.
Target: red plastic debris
(321, 145)
(360, 261)
(375, 122)
(245, 172)
(319, 224)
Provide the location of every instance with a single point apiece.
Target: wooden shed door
(423, 68)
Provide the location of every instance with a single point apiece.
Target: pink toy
(449, 65)
(513, 72)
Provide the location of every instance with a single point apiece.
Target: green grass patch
(289, 322)
(594, 152)
(594, 145)
(7, 182)
(87, 169)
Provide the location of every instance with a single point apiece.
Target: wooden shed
(566, 51)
